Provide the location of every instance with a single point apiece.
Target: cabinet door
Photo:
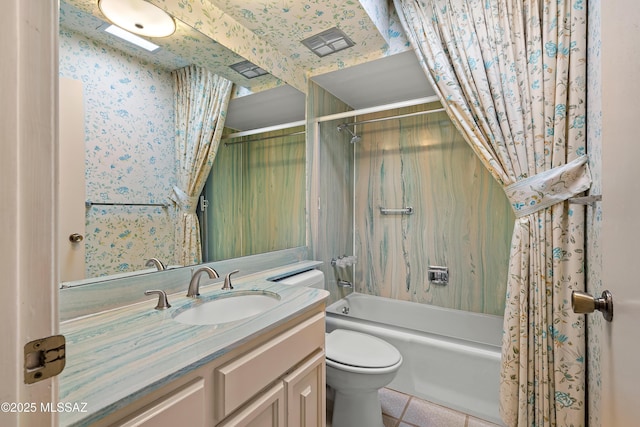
(267, 410)
(174, 409)
(239, 380)
(305, 388)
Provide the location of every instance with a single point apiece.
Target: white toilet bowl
(358, 365)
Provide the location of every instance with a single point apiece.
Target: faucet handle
(227, 280)
(163, 302)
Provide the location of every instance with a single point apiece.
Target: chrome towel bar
(393, 211)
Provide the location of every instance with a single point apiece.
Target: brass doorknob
(76, 238)
(582, 302)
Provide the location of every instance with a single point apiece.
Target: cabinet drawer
(239, 380)
(171, 410)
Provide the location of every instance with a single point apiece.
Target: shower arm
(354, 138)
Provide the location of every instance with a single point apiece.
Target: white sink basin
(229, 308)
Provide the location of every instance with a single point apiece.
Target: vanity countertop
(120, 355)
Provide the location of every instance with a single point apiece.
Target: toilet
(358, 365)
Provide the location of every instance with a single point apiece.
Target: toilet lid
(361, 350)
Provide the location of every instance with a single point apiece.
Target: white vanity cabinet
(274, 379)
(296, 401)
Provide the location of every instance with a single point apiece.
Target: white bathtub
(451, 357)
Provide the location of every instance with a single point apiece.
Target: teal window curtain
(512, 77)
(201, 103)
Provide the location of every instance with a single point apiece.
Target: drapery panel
(201, 102)
(511, 75)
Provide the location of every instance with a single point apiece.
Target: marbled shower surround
(129, 156)
(330, 183)
(461, 218)
(256, 194)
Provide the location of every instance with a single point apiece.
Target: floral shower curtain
(511, 75)
(201, 102)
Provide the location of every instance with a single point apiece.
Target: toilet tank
(309, 279)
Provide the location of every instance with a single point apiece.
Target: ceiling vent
(248, 69)
(328, 42)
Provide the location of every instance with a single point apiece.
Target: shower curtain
(511, 75)
(201, 102)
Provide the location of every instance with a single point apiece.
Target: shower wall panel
(330, 165)
(461, 218)
(256, 193)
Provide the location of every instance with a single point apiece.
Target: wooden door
(620, 342)
(71, 196)
(28, 129)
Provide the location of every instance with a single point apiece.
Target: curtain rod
(265, 129)
(264, 138)
(336, 116)
(385, 107)
(399, 116)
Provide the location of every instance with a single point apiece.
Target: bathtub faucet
(344, 261)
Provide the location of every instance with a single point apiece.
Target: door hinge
(44, 358)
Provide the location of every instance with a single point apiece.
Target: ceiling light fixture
(248, 69)
(328, 42)
(138, 17)
(130, 37)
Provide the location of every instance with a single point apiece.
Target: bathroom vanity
(136, 366)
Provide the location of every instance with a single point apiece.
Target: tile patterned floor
(403, 410)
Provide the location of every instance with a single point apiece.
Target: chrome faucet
(227, 280)
(194, 284)
(155, 262)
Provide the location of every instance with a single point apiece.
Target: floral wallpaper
(269, 33)
(217, 34)
(129, 156)
(186, 46)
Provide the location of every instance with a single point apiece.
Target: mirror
(125, 100)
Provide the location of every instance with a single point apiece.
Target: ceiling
(380, 68)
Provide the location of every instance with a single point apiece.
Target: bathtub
(451, 357)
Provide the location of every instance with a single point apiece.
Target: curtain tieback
(182, 199)
(549, 187)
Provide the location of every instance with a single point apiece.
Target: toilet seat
(358, 352)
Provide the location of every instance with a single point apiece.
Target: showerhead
(355, 138)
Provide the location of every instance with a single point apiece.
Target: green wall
(256, 194)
